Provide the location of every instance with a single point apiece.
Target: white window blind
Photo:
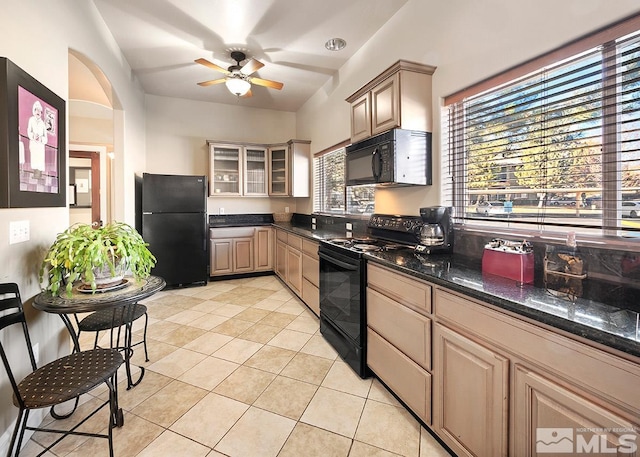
(328, 182)
(555, 150)
(330, 195)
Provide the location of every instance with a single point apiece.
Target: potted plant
(84, 253)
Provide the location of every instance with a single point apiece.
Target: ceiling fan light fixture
(238, 86)
(335, 44)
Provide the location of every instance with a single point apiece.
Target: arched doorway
(94, 129)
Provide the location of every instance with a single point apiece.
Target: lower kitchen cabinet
(311, 275)
(281, 259)
(498, 384)
(296, 263)
(489, 366)
(402, 375)
(264, 249)
(470, 397)
(399, 336)
(543, 403)
(239, 250)
(294, 267)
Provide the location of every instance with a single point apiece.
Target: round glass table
(121, 299)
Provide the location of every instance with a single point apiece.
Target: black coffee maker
(436, 234)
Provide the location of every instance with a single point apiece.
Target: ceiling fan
(238, 77)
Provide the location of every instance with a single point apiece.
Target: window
(555, 149)
(330, 195)
(328, 182)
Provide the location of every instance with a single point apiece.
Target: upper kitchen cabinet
(237, 170)
(278, 176)
(225, 169)
(290, 167)
(255, 171)
(399, 97)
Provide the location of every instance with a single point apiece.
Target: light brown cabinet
(542, 406)
(240, 250)
(398, 97)
(264, 246)
(492, 384)
(298, 266)
(399, 336)
(470, 395)
(294, 269)
(243, 169)
(490, 367)
(290, 167)
(311, 275)
(237, 170)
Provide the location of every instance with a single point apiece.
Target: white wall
(467, 41)
(37, 36)
(177, 132)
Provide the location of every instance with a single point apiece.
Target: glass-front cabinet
(255, 171)
(237, 170)
(225, 169)
(278, 177)
(259, 170)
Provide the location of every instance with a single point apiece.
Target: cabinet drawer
(310, 248)
(231, 232)
(311, 296)
(400, 288)
(407, 330)
(294, 241)
(311, 269)
(406, 379)
(281, 235)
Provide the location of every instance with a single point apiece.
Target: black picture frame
(42, 180)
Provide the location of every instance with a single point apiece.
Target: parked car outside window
(630, 209)
(491, 208)
(562, 201)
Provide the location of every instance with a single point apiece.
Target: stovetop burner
(386, 233)
(366, 244)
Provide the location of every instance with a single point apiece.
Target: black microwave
(395, 158)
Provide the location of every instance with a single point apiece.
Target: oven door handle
(345, 265)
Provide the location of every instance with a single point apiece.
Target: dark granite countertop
(239, 220)
(601, 323)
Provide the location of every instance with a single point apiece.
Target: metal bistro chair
(113, 320)
(59, 381)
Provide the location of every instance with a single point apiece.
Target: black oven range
(343, 283)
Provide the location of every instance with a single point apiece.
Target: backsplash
(335, 224)
(613, 276)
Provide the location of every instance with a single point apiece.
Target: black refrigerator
(174, 223)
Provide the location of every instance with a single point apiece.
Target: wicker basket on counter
(282, 217)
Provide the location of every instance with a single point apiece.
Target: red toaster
(509, 260)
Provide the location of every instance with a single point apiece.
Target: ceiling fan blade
(266, 83)
(212, 65)
(212, 82)
(251, 66)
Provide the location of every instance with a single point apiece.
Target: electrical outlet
(221, 211)
(18, 231)
(349, 226)
(286, 209)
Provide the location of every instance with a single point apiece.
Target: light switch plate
(18, 232)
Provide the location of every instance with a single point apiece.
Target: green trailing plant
(79, 250)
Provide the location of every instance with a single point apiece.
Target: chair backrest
(13, 314)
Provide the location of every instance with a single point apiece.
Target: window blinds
(558, 148)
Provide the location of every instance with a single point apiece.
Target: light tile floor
(239, 368)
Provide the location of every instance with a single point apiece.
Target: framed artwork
(32, 141)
